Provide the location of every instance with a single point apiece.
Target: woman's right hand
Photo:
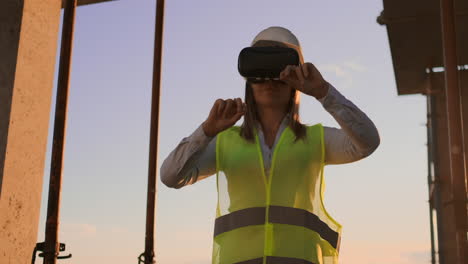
(223, 115)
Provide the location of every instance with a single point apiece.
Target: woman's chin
(273, 103)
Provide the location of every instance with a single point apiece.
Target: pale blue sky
(381, 201)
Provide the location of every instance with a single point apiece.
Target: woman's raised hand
(223, 115)
(305, 78)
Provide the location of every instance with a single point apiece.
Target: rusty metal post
(453, 95)
(148, 256)
(52, 246)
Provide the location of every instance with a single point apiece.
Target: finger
(290, 78)
(284, 78)
(290, 71)
(285, 74)
(236, 118)
(214, 109)
(305, 69)
(299, 74)
(228, 108)
(313, 70)
(236, 106)
(293, 72)
(221, 106)
(239, 105)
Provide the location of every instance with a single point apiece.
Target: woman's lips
(272, 88)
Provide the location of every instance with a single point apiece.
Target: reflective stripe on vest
(279, 219)
(279, 215)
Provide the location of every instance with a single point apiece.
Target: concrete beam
(87, 2)
(28, 39)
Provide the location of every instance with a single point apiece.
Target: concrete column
(28, 46)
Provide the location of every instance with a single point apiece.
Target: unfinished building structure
(429, 47)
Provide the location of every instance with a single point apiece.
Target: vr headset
(258, 64)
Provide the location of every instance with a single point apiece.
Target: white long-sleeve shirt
(195, 157)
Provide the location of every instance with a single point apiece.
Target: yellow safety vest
(279, 219)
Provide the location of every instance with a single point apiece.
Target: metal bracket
(143, 260)
(41, 248)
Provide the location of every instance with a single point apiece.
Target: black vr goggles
(265, 63)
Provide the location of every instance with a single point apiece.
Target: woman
(270, 170)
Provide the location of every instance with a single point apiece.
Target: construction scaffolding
(428, 41)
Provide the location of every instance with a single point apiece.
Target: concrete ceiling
(415, 38)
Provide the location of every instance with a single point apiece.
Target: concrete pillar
(28, 47)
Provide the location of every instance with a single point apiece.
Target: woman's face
(270, 94)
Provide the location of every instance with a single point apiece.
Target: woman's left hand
(305, 78)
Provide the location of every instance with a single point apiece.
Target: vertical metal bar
(51, 249)
(430, 180)
(154, 136)
(453, 95)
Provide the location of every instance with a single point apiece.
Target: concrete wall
(28, 47)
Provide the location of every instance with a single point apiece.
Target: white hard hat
(282, 35)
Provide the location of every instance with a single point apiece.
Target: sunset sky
(381, 200)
